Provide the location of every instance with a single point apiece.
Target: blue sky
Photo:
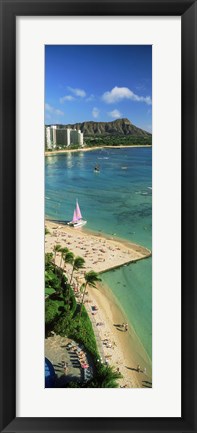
(98, 82)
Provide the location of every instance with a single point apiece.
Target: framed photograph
(98, 211)
(98, 238)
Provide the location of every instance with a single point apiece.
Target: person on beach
(144, 371)
(126, 327)
(138, 368)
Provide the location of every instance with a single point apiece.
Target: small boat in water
(97, 168)
(77, 220)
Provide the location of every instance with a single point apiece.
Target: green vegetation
(63, 251)
(79, 328)
(78, 263)
(105, 377)
(118, 140)
(52, 277)
(56, 249)
(62, 314)
(52, 311)
(90, 279)
(66, 317)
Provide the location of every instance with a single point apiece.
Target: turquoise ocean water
(116, 201)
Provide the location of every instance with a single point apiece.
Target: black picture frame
(187, 9)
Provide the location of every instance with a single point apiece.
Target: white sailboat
(77, 220)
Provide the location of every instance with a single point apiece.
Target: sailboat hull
(77, 224)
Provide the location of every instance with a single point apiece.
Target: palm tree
(63, 251)
(48, 261)
(106, 377)
(110, 377)
(78, 263)
(68, 258)
(56, 249)
(91, 278)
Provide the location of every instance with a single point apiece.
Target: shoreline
(127, 351)
(87, 149)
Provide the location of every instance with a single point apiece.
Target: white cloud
(95, 112)
(116, 114)
(53, 110)
(90, 98)
(77, 92)
(66, 98)
(119, 93)
(59, 112)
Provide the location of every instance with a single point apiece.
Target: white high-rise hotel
(55, 136)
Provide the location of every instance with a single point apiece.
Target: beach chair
(76, 364)
(87, 374)
(74, 357)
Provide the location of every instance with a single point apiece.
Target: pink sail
(78, 212)
(74, 217)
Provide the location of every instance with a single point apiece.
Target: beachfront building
(62, 137)
(76, 137)
(50, 136)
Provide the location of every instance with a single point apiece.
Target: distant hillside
(116, 127)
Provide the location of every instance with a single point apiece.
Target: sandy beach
(120, 348)
(101, 253)
(87, 149)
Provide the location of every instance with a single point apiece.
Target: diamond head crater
(120, 132)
